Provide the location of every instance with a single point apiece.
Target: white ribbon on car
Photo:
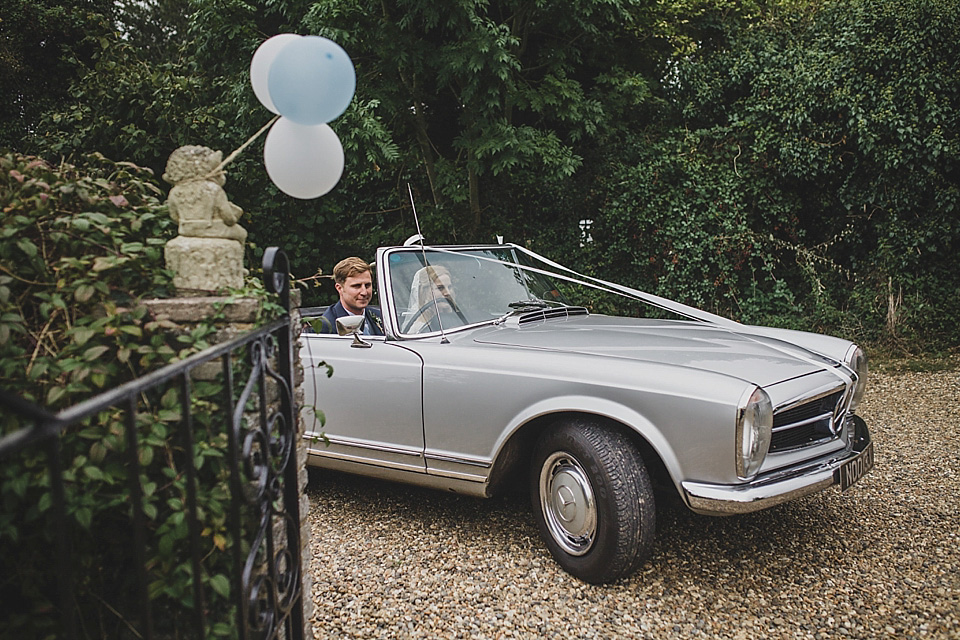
(842, 372)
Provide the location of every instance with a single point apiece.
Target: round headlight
(754, 427)
(856, 361)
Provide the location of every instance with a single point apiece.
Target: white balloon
(260, 66)
(304, 161)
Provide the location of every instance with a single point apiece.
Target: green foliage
(99, 523)
(827, 130)
(80, 246)
(153, 26)
(821, 148)
(506, 92)
(77, 248)
(477, 90)
(126, 107)
(37, 41)
(680, 223)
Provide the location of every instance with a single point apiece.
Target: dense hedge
(812, 178)
(79, 246)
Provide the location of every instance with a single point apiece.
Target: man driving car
(354, 282)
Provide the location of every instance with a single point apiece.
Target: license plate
(853, 470)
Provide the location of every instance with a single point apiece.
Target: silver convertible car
(489, 373)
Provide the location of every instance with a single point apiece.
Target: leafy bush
(79, 247)
(809, 177)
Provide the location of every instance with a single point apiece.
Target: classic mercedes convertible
(490, 371)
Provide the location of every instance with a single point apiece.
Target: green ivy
(77, 249)
(806, 176)
(80, 246)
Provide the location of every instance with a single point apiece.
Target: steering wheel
(423, 309)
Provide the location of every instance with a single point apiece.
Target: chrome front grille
(806, 423)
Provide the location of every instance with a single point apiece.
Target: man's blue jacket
(373, 325)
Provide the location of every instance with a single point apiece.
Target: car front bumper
(841, 469)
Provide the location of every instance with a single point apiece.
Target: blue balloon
(311, 80)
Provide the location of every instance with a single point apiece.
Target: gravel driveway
(881, 560)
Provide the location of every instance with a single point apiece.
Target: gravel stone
(881, 560)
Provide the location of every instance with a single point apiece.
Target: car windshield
(465, 287)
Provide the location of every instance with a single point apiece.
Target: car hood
(757, 359)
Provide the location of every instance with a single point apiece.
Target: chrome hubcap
(569, 508)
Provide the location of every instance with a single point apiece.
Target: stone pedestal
(204, 264)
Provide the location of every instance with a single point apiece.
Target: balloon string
(219, 168)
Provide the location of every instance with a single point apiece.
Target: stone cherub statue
(208, 253)
(197, 200)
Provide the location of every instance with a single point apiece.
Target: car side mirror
(353, 325)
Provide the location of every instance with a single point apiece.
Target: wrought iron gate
(170, 560)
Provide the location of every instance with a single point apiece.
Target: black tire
(580, 463)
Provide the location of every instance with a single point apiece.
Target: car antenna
(426, 263)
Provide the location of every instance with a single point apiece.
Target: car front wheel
(593, 500)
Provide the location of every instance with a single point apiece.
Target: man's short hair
(349, 267)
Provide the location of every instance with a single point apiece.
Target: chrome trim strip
(793, 425)
(416, 477)
(821, 392)
(322, 454)
(779, 487)
(458, 475)
(433, 334)
(484, 464)
(334, 336)
(359, 444)
(416, 456)
(330, 459)
(805, 445)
